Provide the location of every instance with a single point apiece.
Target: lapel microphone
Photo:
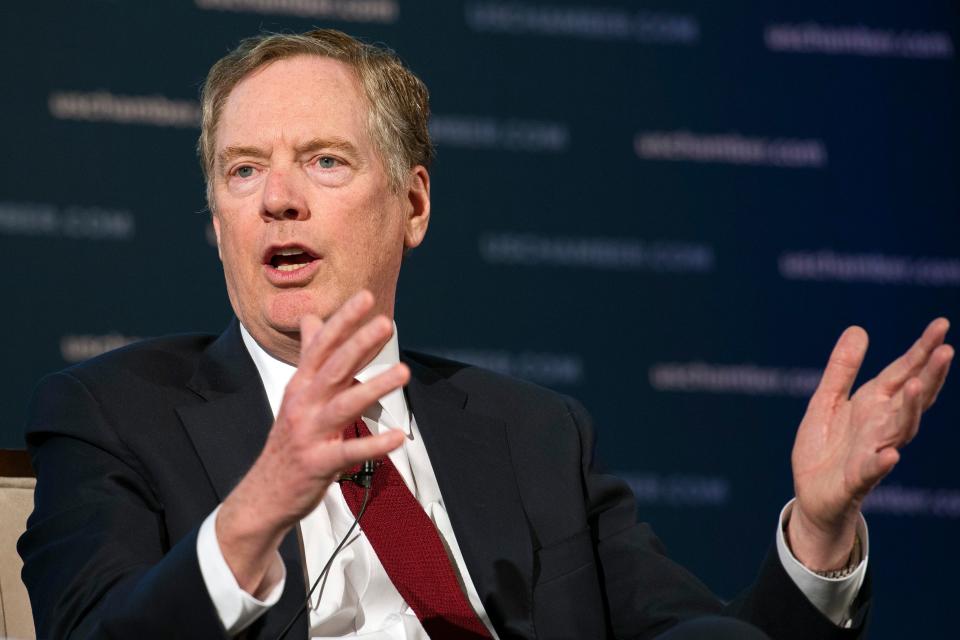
(363, 477)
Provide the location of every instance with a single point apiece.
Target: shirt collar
(392, 410)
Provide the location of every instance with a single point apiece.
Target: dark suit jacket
(135, 448)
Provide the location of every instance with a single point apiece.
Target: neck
(283, 346)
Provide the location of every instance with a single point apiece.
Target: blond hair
(398, 102)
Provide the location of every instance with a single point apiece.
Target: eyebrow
(340, 144)
(228, 154)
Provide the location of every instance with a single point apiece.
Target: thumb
(877, 466)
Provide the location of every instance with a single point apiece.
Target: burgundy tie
(410, 549)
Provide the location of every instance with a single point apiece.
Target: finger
(359, 349)
(843, 365)
(346, 405)
(934, 374)
(357, 450)
(908, 417)
(344, 322)
(910, 363)
(310, 326)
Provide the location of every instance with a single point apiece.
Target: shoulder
(166, 361)
(132, 387)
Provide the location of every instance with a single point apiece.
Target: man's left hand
(846, 444)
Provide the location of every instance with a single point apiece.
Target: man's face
(304, 212)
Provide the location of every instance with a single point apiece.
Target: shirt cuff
(236, 608)
(833, 597)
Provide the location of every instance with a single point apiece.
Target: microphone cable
(363, 478)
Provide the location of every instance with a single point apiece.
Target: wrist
(822, 549)
(248, 543)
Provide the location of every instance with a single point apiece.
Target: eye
(327, 162)
(244, 171)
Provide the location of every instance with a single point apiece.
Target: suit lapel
(471, 458)
(228, 430)
(230, 427)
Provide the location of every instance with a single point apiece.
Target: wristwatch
(855, 557)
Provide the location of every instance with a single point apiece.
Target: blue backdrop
(669, 210)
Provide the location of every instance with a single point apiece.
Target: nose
(283, 197)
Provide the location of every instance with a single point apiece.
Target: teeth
(292, 251)
(291, 267)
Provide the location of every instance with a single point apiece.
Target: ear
(418, 209)
(215, 219)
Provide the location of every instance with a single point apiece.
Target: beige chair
(16, 503)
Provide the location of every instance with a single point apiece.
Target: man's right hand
(305, 450)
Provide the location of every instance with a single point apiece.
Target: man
(187, 484)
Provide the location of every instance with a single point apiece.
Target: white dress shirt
(358, 598)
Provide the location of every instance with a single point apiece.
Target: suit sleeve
(97, 561)
(646, 592)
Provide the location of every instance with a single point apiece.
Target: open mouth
(290, 259)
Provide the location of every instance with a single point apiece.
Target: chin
(285, 310)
